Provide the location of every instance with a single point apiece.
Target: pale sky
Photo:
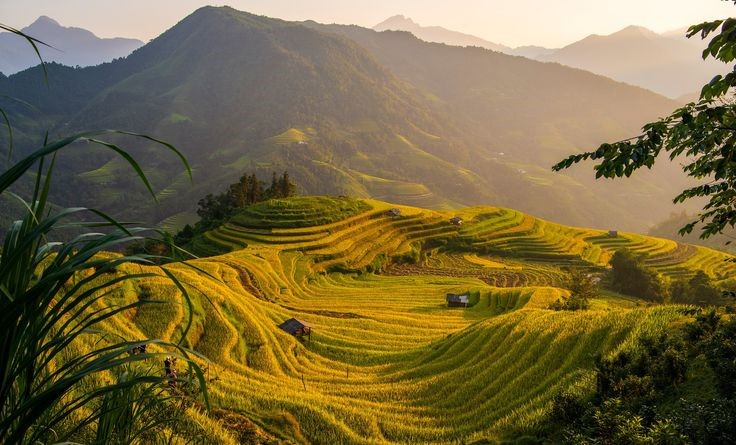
(551, 23)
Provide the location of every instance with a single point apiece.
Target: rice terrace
(388, 361)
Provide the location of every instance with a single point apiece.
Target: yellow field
(388, 362)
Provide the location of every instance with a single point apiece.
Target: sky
(550, 23)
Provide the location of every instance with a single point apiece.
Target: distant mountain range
(69, 46)
(667, 63)
(346, 110)
(437, 34)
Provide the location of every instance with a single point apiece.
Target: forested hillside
(347, 111)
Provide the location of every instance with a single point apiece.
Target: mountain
(666, 63)
(346, 110)
(526, 115)
(669, 64)
(69, 46)
(437, 34)
(531, 51)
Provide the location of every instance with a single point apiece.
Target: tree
(702, 291)
(631, 276)
(286, 187)
(702, 133)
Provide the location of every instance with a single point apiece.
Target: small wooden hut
(456, 221)
(297, 328)
(394, 212)
(613, 233)
(458, 300)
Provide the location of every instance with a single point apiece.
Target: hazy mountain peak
(640, 56)
(436, 34)
(396, 20)
(69, 46)
(44, 20)
(636, 31)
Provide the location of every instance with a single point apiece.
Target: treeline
(215, 210)
(630, 275)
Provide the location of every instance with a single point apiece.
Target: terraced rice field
(388, 362)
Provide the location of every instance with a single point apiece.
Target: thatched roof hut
(296, 327)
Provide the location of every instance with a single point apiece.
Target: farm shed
(394, 212)
(456, 221)
(457, 300)
(613, 233)
(297, 328)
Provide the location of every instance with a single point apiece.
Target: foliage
(702, 133)
(716, 337)
(631, 276)
(698, 290)
(51, 302)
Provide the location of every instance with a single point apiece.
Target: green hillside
(388, 362)
(358, 113)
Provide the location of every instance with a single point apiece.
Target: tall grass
(61, 373)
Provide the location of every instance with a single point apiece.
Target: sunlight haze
(513, 23)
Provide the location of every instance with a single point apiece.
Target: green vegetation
(674, 388)
(63, 378)
(697, 290)
(299, 212)
(216, 209)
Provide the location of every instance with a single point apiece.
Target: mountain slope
(528, 115)
(668, 64)
(69, 46)
(347, 111)
(437, 34)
